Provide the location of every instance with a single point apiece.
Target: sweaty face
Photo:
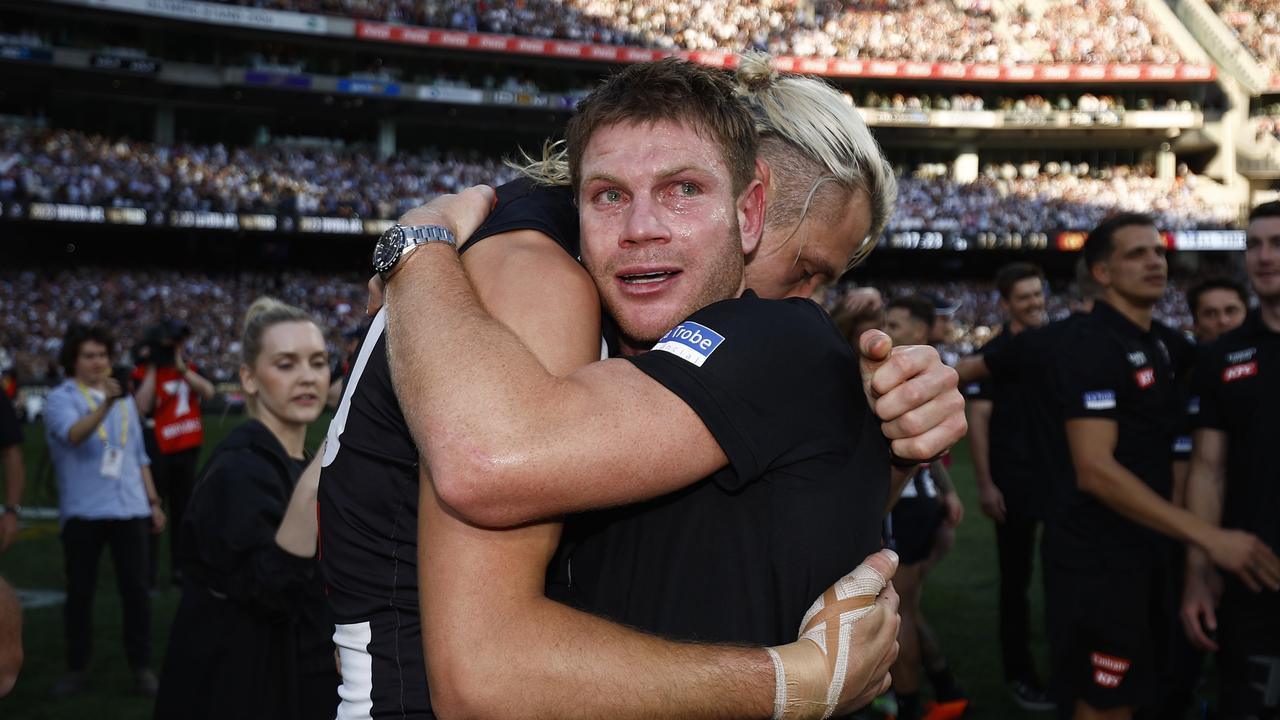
(798, 259)
(1026, 302)
(1218, 311)
(905, 329)
(1262, 258)
(1137, 269)
(660, 225)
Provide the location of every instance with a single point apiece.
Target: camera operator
(169, 394)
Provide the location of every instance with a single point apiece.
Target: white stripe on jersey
(356, 690)
(339, 422)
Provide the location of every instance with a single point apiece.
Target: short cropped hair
(1265, 210)
(669, 89)
(77, 335)
(1216, 283)
(1099, 244)
(1014, 273)
(917, 307)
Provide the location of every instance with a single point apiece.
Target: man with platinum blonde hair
(830, 190)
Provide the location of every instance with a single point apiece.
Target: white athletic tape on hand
(809, 673)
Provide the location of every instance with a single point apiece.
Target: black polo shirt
(741, 555)
(1238, 382)
(1110, 368)
(1026, 361)
(1017, 465)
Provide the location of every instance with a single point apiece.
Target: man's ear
(1101, 274)
(751, 204)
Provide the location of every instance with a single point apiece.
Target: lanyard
(102, 426)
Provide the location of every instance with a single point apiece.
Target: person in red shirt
(169, 392)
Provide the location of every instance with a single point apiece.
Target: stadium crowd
(1096, 31)
(969, 102)
(1257, 25)
(1049, 195)
(78, 168)
(74, 167)
(36, 307)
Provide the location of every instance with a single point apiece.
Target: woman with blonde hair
(252, 635)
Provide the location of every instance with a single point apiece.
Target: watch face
(388, 250)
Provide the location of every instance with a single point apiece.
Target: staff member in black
(1234, 482)
(1106, 562)
(1012, 478)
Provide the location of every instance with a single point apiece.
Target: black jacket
(252, 637)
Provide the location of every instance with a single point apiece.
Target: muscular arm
(545, 659)
(1093, 444)
(497, 646)
(506, 441)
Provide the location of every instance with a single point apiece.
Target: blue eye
(688, 189)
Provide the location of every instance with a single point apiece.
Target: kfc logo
(1243, 370)
(1108, 671)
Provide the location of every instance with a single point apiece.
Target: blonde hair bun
(755, 72)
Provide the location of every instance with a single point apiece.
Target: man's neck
(1269, 309)
(1016, 327)
(1139, 315)
(292, 437)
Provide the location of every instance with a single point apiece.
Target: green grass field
(960, 601)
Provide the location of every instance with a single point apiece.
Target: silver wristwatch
(400, 240)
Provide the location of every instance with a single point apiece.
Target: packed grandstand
(283, 120)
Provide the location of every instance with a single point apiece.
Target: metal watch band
(422, 234)
(416, 236)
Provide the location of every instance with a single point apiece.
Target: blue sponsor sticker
(1182, 444)
(1100, 400)
(690, 341)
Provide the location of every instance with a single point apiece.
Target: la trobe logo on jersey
(690, 341)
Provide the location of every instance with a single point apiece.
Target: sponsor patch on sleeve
(690, 341)
(1182, 444)
(1100, 400)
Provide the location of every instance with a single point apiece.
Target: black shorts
(915, 524)
(1249, 654)
(1109, 631)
